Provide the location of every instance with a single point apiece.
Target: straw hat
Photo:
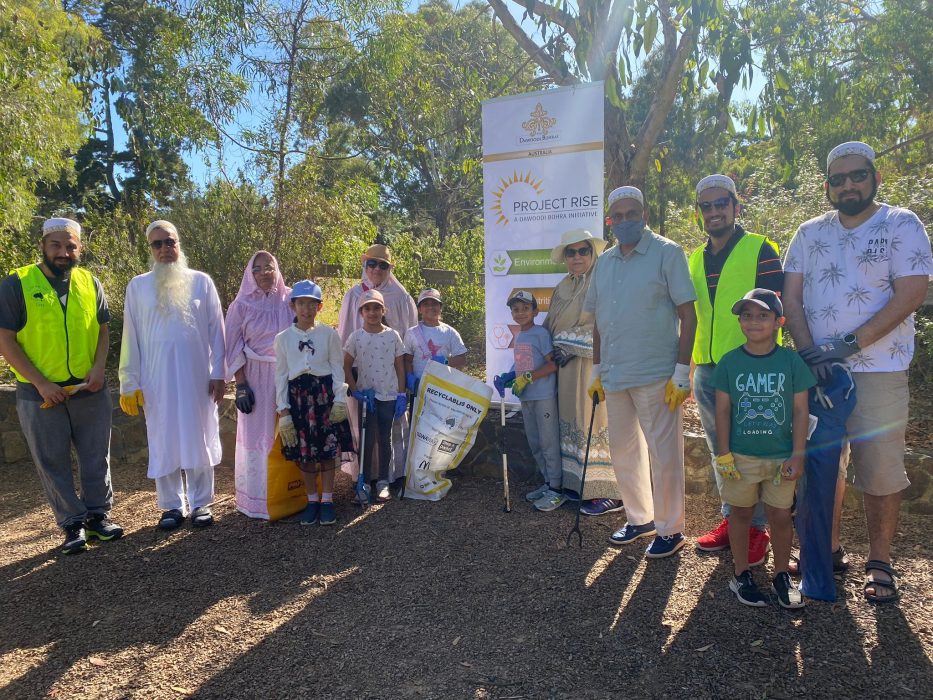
(377, 252)
(577, 235)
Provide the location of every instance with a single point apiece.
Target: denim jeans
(704, 393)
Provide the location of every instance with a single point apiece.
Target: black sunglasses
(158, 243)
(839, 179)
(719, 203)
(381, 264)
(583, 252)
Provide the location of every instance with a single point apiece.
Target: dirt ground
(416, 600)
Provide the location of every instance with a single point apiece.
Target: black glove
(820, 358)
(245, 399)
(561, 357)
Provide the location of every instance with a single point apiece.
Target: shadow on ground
(455, 599)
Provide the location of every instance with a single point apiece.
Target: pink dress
(254, 319)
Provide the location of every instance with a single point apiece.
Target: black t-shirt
(13, 317)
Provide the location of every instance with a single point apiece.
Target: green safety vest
(61, 343)
(718, 329)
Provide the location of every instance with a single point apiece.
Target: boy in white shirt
(431, 339)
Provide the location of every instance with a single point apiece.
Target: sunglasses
(719, 203)
(167, 242)
(583, 252)
(381, 264)
(839, 179)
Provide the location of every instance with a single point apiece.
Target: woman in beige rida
(572, 332)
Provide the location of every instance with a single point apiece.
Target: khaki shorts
(876, 432)
(757, 483)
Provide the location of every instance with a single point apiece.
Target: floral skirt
(310, 399)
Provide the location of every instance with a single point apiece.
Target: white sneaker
(533, 496)
(382, 492)
(550, 500)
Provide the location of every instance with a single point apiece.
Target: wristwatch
(527, 376)
(850, 340)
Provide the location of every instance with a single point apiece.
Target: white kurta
(172, 362)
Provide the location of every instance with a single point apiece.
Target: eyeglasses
(719, 203)
(159, 242)
(583, 252)
(839, 179)
(268, 268)
(381, 264)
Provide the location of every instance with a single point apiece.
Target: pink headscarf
(255, 317)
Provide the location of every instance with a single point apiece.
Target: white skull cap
(166, 226)
(626, 192)
(851, 148)
(711, 181)
(57, 225)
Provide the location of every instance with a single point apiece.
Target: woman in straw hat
(400, 315)
(572, 332)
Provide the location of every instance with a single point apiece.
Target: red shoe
(759, 542)
(715, 540)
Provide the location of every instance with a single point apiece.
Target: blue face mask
(628, 232)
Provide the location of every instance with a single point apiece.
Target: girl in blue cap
(311, 400)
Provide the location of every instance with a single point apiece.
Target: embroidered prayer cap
(430, 293)
(59, 224)
(710, 181)
(371, 295)
(626, 192)
(851, 148)
(577, 235)
(522, 295)
(166, 226)
(764, 298)
(377, 252)
(306, 289)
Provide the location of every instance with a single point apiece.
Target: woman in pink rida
(259, 311)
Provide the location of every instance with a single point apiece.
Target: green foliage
(40, 117)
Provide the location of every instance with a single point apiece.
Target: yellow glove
(522, 382)
(287, 431)
(132, 402)
(678, 387)
(725, 465)
(778, 475)
(69, 390)
(338, 412)
(596, 388)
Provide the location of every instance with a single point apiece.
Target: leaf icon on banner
(500, 263)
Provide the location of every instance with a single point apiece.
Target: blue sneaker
(309, 514)
(665, 546)
(629, 533)
(327, 514)
(600, 506)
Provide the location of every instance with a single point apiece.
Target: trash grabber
(362, 492)
(411, 408)
(586, 460)
(505, 457)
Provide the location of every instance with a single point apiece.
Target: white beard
(173, 282)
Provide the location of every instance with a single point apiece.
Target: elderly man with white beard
(172, 364)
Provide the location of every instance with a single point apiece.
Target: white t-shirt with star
(374, 358)
(848, 276)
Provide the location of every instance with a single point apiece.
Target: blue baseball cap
(306, 289)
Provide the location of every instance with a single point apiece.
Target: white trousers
(171, 489)
(646, 443)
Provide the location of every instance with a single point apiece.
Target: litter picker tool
(586, 459)
(411, 408)
(505, 457)
(362, 491)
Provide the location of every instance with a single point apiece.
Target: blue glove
(503, 381)
(367, 396)
(411, 381)
(439, 358)
(401, 403)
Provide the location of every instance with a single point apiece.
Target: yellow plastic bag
(285, 492)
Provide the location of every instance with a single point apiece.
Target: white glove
(287, 431)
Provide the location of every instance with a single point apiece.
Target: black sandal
(202, 517)
(840, 562)
(171, 519)
(885, 568)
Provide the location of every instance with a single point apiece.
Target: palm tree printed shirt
(848, 276)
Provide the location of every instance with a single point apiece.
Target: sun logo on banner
(511, 189)
(539, 121)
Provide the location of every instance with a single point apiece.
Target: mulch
(455, 599)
